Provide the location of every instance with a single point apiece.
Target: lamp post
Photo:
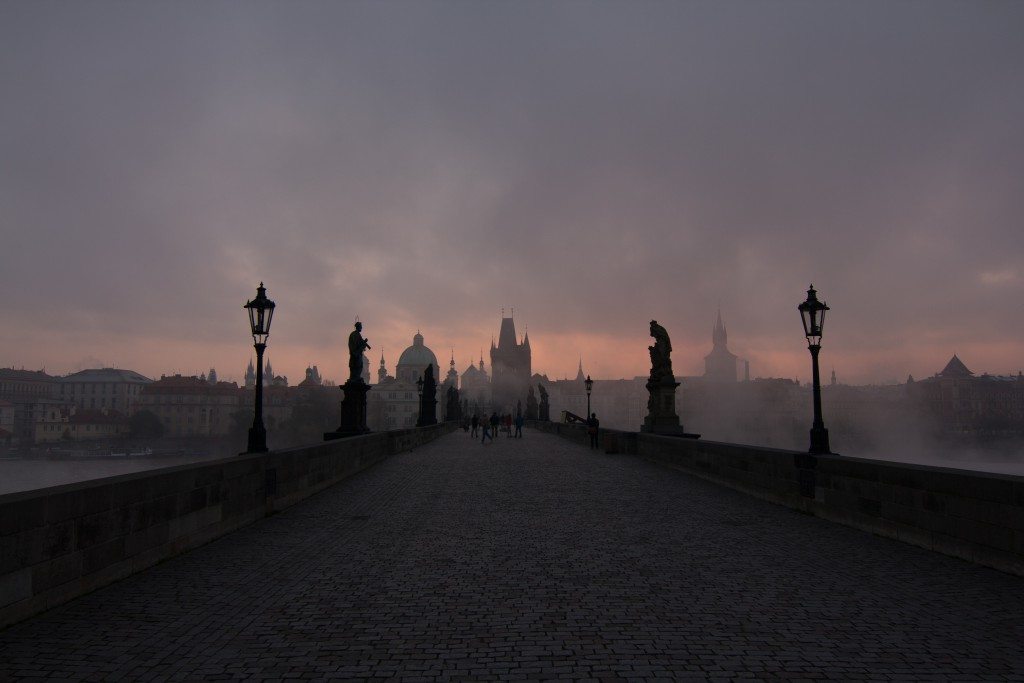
(812, 313)
(419, 393)
(589, 384)
(261, 310)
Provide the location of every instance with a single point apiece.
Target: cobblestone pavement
(536, 559)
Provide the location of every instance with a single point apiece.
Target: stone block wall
(64, 541)
(976, 516)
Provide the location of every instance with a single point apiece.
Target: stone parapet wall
(64, 541)
(976, 516)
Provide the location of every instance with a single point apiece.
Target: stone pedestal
(661, 408)
(353, 411)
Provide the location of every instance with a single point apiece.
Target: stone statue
(545, 407)
(661, 354)
(356, 346)
(531, 404)
(661, 387)
(452, 411)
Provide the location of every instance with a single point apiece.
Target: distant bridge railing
(64, 541)
(976, 516)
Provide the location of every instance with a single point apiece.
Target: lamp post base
(257, 440)
(819, 441)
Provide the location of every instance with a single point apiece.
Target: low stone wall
(60, 542)
(975, 516)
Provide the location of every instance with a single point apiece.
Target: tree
(145, 425)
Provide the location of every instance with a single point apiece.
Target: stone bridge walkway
(536, 559)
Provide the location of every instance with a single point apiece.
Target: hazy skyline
(593, 165)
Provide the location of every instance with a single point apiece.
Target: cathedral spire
(579, 371)
(719, 336)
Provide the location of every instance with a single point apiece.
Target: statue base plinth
(661, 409)
(353, 411)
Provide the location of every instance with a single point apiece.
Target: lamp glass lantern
(812, 314)
(589, 384)
(261, 312)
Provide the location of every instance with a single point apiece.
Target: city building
(82, 425)
(959, 402)
(475, 388)
(190, 406)
(393, 403)
(31, 394)
(103, 388)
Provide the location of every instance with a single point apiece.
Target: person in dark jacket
(593, 424)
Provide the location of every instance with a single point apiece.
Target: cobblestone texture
(536, 559)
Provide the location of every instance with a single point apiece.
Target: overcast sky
(592, 164)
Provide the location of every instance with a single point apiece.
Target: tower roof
(955, 368)
(507, 335)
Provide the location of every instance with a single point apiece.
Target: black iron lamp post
(812, 312)
(261, 310)
(419, 393)
(589, 384)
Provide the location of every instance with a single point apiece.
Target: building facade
(190, 406)
(103, 389)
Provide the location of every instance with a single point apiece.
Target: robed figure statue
(356, 346)
(661, 353)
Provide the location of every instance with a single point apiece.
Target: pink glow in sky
(421, 165)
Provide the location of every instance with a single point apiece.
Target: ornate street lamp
(261, 310)
(419, 393)
(812, 312)
(589, 384)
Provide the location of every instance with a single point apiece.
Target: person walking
(519, 426)
(474, 423)
(485, 428)
(592, 426)
(508, 424)
(495, 423)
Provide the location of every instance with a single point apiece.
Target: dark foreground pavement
(536, 559)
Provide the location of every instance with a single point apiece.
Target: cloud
(422, 165)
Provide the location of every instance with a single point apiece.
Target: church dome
(418, 354)
(415, 359)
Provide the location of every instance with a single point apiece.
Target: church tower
(511, 366)
(250, 376)
(382, 372)
(720, 364)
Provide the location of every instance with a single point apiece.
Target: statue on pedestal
(353, 404)
(545, 407)
(453, 408)
(428, 401)
(661, 387)
(531, 404)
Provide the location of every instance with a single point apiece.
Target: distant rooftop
(106, 375)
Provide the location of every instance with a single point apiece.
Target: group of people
(488, 427)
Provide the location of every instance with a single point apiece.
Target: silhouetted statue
(545, 407)
(452, 412)
(353, 405)
(661, 354)
(531, 404)
(661, 388)
(428, 402)
(356, 346)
